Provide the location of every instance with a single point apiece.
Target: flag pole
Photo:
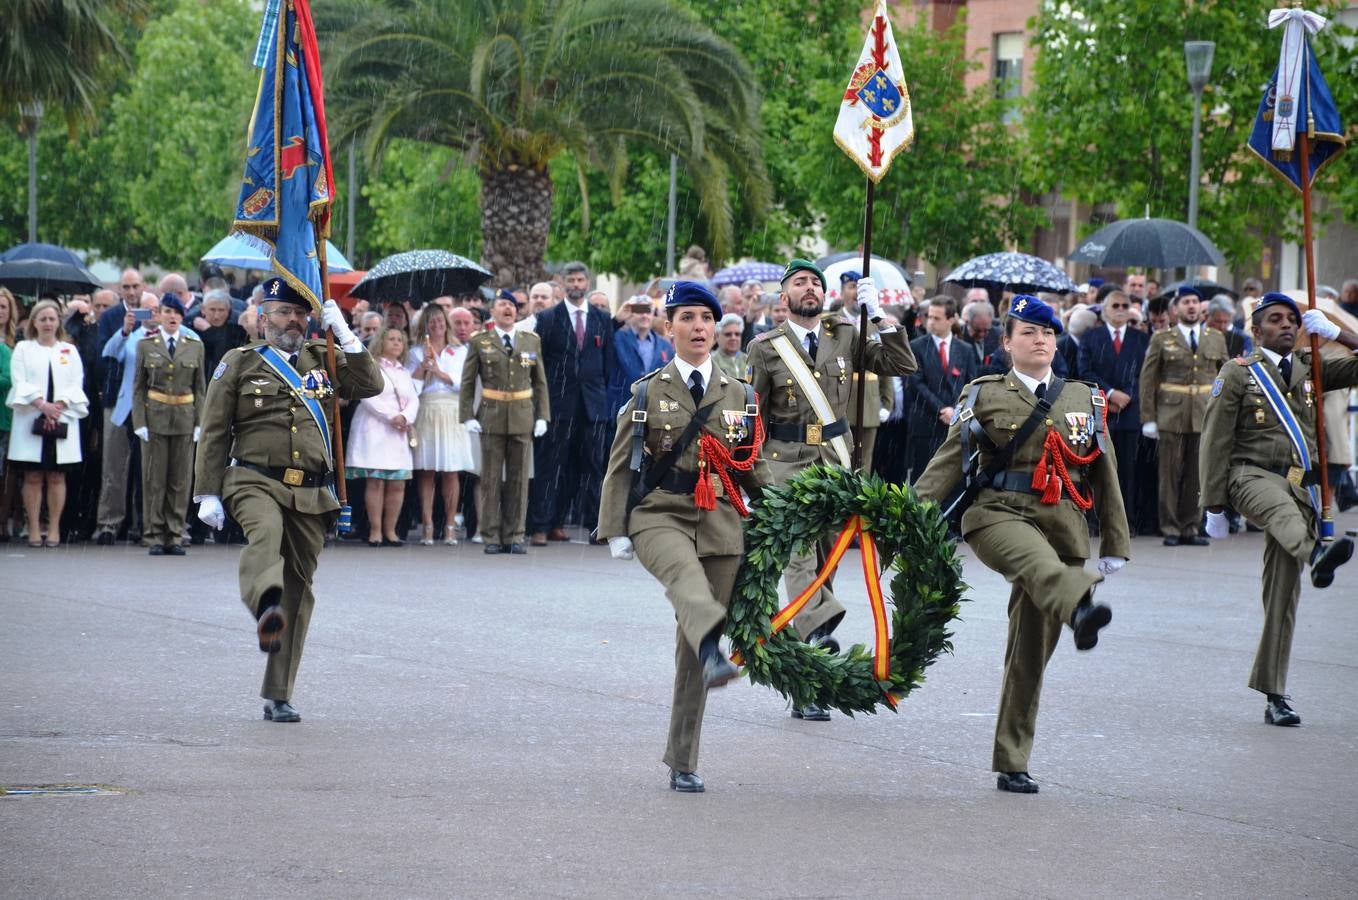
(1318, 391)
(860, 362)
(336, 431)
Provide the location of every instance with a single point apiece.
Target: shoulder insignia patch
(1217, 386)
(219, 371)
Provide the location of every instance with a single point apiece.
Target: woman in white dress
(444, 446)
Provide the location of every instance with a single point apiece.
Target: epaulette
(771, 333)
(985, 378)
(834, 320)
(1089, 384)
(647, 377)
(1248, 359)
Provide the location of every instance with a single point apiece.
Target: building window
(1008, 55)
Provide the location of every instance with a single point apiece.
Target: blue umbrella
(45, 252)
(748, 271)
(1017, 272)
(242, 253)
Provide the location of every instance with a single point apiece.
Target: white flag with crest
(875, 120)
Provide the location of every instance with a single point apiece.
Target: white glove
(143, 433)
(473, 426)
(620, 547)
(1110, 564)
(1218, 526)
(210, 511)
(885, 413)
(1317, 323)
(333, 318)
(197, 433)
(539, 428)
(867, 298)
(1151, 430)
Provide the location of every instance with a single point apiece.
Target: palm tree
(511, 84)
(52, 54)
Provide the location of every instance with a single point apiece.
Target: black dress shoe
(1086, 621)
(517, 549)
(174, 550)
(155, 550)
(1172, 540)
(685, 782)
(270, 627)
(492, 549)
(280, 711)
(1331, 557)
(811, 713)
(105, 539)
(391, 543)
(1194, 540)
(374, 543)
(717, 671)
(1016, 783)
(824, 639)
(1280, 712)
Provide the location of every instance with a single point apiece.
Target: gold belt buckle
(293, 477)
(1295, 474)
(813, 434)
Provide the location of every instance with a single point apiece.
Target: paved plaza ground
(481, 726)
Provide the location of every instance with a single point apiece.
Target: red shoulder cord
(713, 454)
(1052, 473)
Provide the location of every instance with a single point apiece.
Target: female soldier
(685, 440)
(1044, 460)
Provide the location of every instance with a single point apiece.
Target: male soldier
(167, 403)
(801, 372)
(513, 404)
(1258, 457)
(265, 450)
(1175, 379)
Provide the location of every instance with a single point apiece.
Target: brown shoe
(558, 534)
(539, 539)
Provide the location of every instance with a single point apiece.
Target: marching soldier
(513, 405)
(1258, 457)
(1175, 379)
(687, 444)
(803, 371)
(167, 402)
(265, 452)
(1044, 460)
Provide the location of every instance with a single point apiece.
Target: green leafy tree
(512, 85)
(1111, 113)
(422, 196)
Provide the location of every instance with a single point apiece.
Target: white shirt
(800, 333)
(501, 334)
(1032, 383)
(942, 342)
(1273, 357)
(1193, 330)
(686, 371)
(450, 362)
(528, 323)
(1117, 333)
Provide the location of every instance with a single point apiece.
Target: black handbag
(42, 429)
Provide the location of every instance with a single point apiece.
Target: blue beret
(1096, 282)
(1027, 308)
(849, 275)
(507, 294)
(1187, 290)
(278, 289)
(691, 293)
(172, 301)
(1273, 298)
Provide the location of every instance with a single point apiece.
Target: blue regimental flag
(287, 191)
(1297, 100)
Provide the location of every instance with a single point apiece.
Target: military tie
(1193, 339)
(695, 387)
(292, 360)
(1285, 367)
(169, 347)
(509, 345)
(1041, 390)
(811, 344)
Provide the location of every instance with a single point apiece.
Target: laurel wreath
(925, 592)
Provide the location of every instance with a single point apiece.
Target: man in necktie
(1175, 379)
(167, 402)
(946, 366)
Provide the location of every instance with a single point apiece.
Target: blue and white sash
(1278, 403)
(279, 363)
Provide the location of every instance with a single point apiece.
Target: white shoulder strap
(811, 390)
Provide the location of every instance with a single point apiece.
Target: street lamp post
(31, 114)
(1198, 56)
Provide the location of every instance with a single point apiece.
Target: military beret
(1096, 282)
(278, 290)
(1187, 290)
(691, 293)
(1027, 308)
(849, 275)
(506, 294)
(1273, 298)
(172, 301)
(799, 265)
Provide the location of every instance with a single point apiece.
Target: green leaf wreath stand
(925, 592)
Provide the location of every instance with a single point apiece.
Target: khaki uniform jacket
(1175, 381)
(488, 360)
(1002, 406)
(1241, 429)
(251, 415)
(159, 378)
(780, 397)
(881, 396)
(669, 409)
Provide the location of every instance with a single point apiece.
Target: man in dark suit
(1221, 316)
(637, 350)
(946, 365)
(577, 340)
(1111, 356)
(1066, 362)
(983, 333)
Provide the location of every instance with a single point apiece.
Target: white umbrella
(233, 250)
(893, 287)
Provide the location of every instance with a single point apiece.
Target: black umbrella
(33, 277)
(49, 252)
(1017, 272)
(420, 275)
(1152, 243)
(1208, 289)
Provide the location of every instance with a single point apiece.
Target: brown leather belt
(489, 394)
(170, 399)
